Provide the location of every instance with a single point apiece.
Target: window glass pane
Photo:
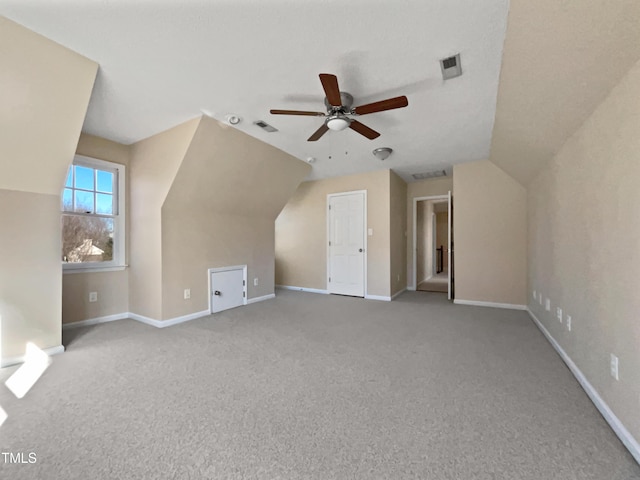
(69, 182)
(105, 181)
(84, 177)
(104, 203)
(83, 201)
(67, 200)
(86, 239)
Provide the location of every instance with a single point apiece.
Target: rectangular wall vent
(265, 126)
(433, 174)
(451, 67)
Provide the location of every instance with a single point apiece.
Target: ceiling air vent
(433, 174)
(265, 126)
(451, 67)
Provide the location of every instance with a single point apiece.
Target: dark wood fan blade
(363, 130)
(296, 112)
(331, 89)
(381, 106)
(318, 133)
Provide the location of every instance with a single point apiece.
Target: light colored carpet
(433, 286)
(310, 386)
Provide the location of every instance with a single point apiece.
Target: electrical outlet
(398, 279)
(559, 314)
(547, 305)
(255, 282)
(187, 293)
(370, 232)
(93, 296)
(539, 298)
(535, 295)
(569, 322)
(614, 367)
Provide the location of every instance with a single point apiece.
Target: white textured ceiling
(162, 63)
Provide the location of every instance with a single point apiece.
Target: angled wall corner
(154, 163)
(220, 211)
(560, 60)
(44, 92)
(490, 235)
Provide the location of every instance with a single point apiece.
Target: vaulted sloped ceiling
(561, 58)
(166, 61)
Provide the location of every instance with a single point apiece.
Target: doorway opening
(432, 252)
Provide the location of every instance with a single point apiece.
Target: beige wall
(112, 287)
(490, 235)
(153, 166)
(220, 211)
(423, 188)
(30, 285)
(398, 230)
(583, 247)
(301, 232)
(44, 93)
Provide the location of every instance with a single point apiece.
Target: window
(93, 215)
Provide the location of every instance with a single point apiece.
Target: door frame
(415, 233)
(365, 234)
(450, 260)
(434, 248)
(226, 269)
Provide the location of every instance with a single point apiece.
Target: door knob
(217, 292)
(360, 250)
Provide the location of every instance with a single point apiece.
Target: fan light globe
(337, 123)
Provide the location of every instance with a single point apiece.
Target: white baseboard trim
(378, 297)
(509, 306)
(614, 422)
(261, 299)
(8, 361)
(398, 293)
(147, 320)
(94, 321)
(170, 322)
(303, 289)
(411, 288)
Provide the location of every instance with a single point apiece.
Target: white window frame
(119, 220)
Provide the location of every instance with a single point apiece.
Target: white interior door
(227, 289)
(450, 250)
(346, 258)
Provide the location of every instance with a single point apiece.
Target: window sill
(94, 269)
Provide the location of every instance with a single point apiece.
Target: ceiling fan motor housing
(347, 102)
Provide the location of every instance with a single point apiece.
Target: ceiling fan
(339, 110)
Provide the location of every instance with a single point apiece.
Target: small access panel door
(228, 288)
